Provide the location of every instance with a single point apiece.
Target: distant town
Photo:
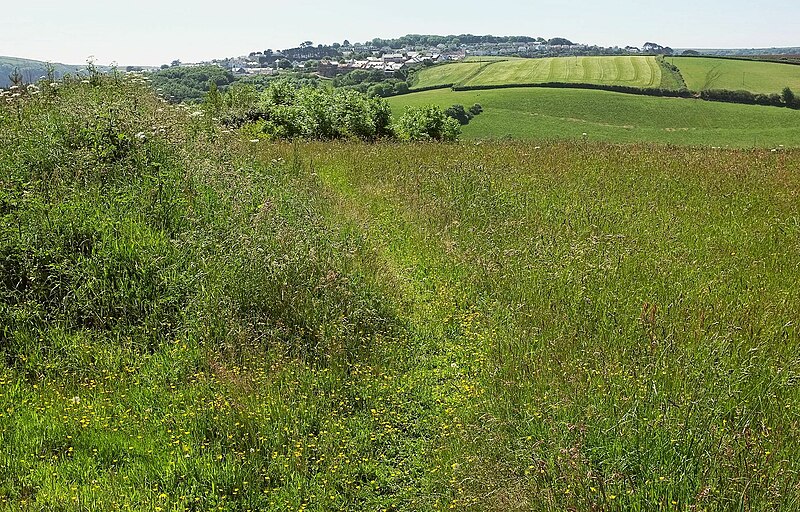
(395, 55)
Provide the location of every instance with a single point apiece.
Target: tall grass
(192, 321)
(633, 337)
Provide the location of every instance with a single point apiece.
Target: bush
(476, 109)
(322, 114)
(427, 123)
(789, 99)
(460, 114)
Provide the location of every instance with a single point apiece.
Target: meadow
(193, 320)
(698, 73)
(568, 114)
(758, 77)
(447, 74)
(630, 71)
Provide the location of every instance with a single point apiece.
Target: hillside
(760, 77)
(31, 70)
(633, 71)
(699, 73)
(195, 319)
(558, 114)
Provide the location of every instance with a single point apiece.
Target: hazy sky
(151, 32)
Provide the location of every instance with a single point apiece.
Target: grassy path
(445, 355)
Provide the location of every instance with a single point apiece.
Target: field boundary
(426, 88)
(721, 95)
(671, 70)
(731, 57)
(641, 91)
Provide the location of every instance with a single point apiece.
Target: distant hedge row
(749, 98)
(673, 93)
(430, 88)
(744, 97)
(745, 58)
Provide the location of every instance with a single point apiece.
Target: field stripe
(633, 71)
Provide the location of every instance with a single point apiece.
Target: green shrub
(427, 123)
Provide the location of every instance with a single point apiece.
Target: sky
(154, 32)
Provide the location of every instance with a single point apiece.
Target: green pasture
(702, 73)
(447, 74)
(532, 113)
(633, 71)
(630, 71)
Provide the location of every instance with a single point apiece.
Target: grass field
(447, 74)
(193, 321)
(759, 77)
(629, 71)
(545, 114)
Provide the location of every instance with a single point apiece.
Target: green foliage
(359, 76)
(449, 40)
(459, 113)
(283, 111)
(189, 84)
(560, 41)
(788, 97)
(427, 123)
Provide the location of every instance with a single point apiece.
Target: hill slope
(633, 71)
(568, 113)
(31, 70)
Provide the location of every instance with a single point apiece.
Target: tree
(788, 96)
(346, 43)
(213, 101)
(16, 78)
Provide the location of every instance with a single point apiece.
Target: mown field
(625, 70)
(758, 77)
(193, 321)
(447, 74)
(558, 114)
